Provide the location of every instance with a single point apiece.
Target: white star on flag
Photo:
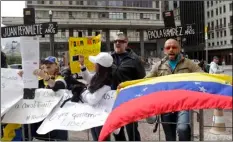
(202, 89)
(145, 89)
(138, 95)
(197, 83)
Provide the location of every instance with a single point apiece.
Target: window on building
(231, 41)
(220, 10)
(40, 1)
(221, 21)
(103, 15)
(212, 13)
(63, 32)
(221, 42)
(231, 6)
(209, 44)
(217, 43)
(212, 35)
(70, 15)
(157, 16)
(231, 31)
(71, 32)
(70, 2)
(224, 9)
(217, 23)
(157, 4)
(221, 34)
(208, 36)
(217, 34)
(224, 22)
(208, 14)
(78, 2)
(212, 3)
(208, 4)
(212, 24)
(208, 25)
(51, 2)
(175, 4)
(216, 11)
(225, 42)
(212, 43)
(231, 19)
(225, 33)
(88, 14)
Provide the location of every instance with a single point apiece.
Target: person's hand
(41, 74)
(20, 73)
(81, 60)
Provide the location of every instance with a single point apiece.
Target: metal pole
(51, 38)
(201, 125)
(206, 51)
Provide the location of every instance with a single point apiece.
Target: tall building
(192, 12)
(85, 17)
(218, 15)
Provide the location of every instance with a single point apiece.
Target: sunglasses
(170, 47)
(119, 41)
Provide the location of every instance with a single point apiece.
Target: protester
(99, 83)
(126, 66)
(214, 67)
(174, 63)
(52, 80)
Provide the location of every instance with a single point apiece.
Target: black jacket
(130, 67)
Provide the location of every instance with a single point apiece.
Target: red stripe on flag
(159, 103)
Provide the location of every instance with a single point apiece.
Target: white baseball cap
(103, 58)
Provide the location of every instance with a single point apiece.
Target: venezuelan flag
(143, 98)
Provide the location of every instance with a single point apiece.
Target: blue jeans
(183, 130)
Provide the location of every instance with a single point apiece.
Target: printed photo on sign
(28, 111)
(78, 116)
(11, 89)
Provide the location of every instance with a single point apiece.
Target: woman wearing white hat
(98, 84)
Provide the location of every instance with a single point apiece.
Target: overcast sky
(12, 8)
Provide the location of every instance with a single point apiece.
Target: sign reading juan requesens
(29, 30)
(171, 32)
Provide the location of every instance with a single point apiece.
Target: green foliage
(13, 60)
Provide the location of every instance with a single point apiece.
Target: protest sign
(28, 111)
(84, 46)
(78, 116)
(30, 60)
(11, 88)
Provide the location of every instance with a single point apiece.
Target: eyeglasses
(170, 47)
(119, 41)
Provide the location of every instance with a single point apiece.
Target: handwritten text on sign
(11, 89)
(78, 116)
(29, 30)
(171, 32)
(32, 111)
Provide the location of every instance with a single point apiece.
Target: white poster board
(11, 89)
(28, 111)
(78, 116)
(30, 49)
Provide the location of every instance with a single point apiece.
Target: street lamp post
(51, 35)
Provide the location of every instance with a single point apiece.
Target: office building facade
(219, 21)
(86, 17)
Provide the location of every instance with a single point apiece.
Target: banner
(84, 46)
(11, 89)
(28, 111)
(78, 116)
(30, 60)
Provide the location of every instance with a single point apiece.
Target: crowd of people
(111, 70)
